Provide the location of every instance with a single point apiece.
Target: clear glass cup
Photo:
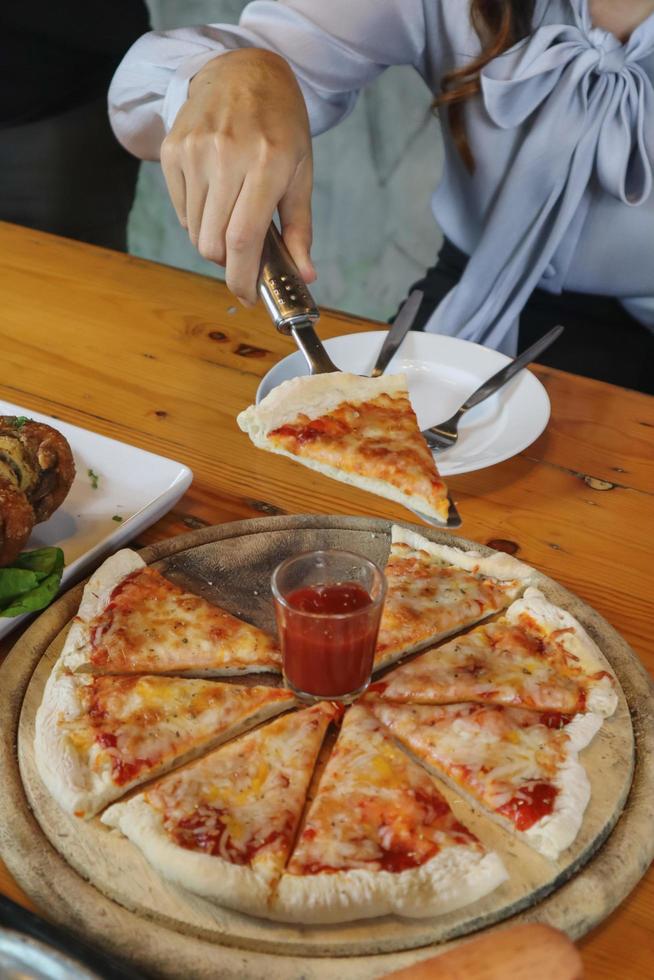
(328, 606)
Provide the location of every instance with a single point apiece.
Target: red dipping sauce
(328, 633)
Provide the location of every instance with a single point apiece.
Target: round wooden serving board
(96, 882)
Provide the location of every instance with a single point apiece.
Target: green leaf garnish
(94, 478)
(117, 518)
(32, 582)
(15, 582)
(20, 421)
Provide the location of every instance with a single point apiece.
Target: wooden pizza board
(96, 883)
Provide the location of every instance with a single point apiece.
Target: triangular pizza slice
(97, 737)
(223, 827)
(380, 838)
(537, 656)
(521, 765)
(358, 430)
(435, 590)
(133, 620)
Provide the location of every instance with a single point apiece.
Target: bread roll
(16, 522)
(36, 472)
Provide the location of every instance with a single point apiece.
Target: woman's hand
(239, 148)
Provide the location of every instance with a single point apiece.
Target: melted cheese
(378, 438)
(374, 808)
(128, 727)
(243, 801)
(496, 754)
(152, 625)
(497, 663)
(428, 598)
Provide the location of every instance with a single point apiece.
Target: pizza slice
(133, 620)
(435, 590)
(521, 765)
(380, 838)
(223, 827)
(358, 430)
(537, 656)
(97, 737)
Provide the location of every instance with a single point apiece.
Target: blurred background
(374, 175)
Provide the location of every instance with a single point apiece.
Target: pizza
(133, 620)
(358, 430)
(521, 765)
(380, 838)
(435, 590)
(537, 656)
(232, 790)
(223, 827)
(97, 737)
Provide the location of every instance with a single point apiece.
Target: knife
(397, 332)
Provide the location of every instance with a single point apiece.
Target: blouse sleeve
(335, 47)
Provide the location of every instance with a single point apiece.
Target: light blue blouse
(562, 134)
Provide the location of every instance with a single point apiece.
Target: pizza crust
(602, 697)
(97, 591)
(317, 395)
(313, 395)
(499, 565)
(455, 877)
(555, 832)
(236, 886)
(59, 765)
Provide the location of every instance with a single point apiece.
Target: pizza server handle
(530, 950)
(289, 303)
(104, 966)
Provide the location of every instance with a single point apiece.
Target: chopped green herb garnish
(94, 478)
(117, 518)
(20, 421)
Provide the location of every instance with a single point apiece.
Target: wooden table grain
(165, 359)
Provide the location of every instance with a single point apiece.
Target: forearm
(334, 49)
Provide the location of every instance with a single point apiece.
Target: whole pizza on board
(243, 801)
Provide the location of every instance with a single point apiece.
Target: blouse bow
(586, 106)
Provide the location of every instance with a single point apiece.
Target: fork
(445, 435)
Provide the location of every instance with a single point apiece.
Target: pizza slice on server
(537, 656)
(97, 737)
(358, 430)
(223, 827)
(521, 765)
(435, 590)
(133, 620)
(380, 838)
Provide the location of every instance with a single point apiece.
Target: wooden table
(165, 360)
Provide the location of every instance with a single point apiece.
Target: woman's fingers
(295, 217)
(224, 189)
(172, 167)
(246, 231)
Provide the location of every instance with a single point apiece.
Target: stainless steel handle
(506, 373)
(281, 287)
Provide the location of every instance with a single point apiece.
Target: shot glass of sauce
(328, 606)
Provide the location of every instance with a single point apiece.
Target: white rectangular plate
(132, 484)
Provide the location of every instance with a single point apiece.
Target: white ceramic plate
(132, 484)
(442, 372)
